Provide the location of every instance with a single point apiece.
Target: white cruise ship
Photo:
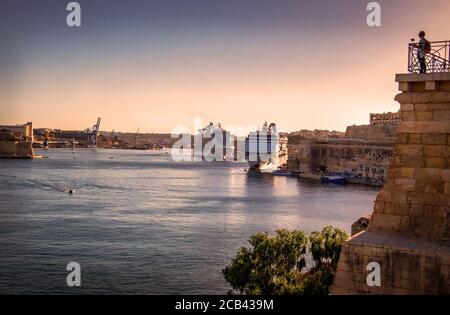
(266, 150)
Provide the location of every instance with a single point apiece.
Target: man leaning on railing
(423, 48)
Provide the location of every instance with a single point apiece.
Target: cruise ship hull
(263, 167)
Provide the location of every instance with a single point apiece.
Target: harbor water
(140, 223)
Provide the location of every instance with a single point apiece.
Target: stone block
(409, 284)
(416, 210)
(441, 199)
(405, 184)
(440, 213)
(409, 149)
(379, 206)
(446, 175)
(412, 161)
(420, 198)
(441, 97)
(406, 172)
(404, 86)
(391, 222)
(447, 188)
(424, 115)
(435, 151)
(439, 106)
(422, 97)
(427, 176)
(424, 127)
(404, 98)
(422, 107)
(384, 195)
(434, 138)
(431, 85)
(406, 107)
(417, 222)
(402, 138)
(396, 208)
(428, 211)
(441, 115)
(405, 223)
(408, 116)
(435, 162)
(399, 196)
(415, 138)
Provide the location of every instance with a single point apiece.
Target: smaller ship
(324, 178)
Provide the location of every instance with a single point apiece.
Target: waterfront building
(362, 152)
(367, 159)
(385, 119)
(17, 141)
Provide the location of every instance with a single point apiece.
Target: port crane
(136, 135)
(93, 132)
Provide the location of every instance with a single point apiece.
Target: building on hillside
(385, 119)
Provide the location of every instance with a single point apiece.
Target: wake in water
(39, 184)
(70, 188)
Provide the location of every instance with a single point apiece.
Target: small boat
(333, 179)
(325, 179)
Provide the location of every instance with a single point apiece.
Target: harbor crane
(136, 135)
(93, 132)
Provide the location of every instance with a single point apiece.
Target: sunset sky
(154, 65)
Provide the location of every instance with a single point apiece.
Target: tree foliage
(275, 265)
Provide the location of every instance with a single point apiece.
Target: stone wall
(19, 149)
(416, 198)
(335, 155)
(372, 132)
(408, 265)
(409, 230)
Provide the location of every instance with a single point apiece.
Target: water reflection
(167, 227)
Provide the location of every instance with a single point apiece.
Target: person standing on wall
(423, 48)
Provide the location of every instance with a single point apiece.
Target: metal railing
(438, 60)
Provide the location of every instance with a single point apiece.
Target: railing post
(409, 69)
(433, 64)
(409, 58)
(447, 48)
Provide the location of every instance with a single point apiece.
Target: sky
(156, 65)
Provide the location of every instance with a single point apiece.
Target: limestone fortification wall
(416, 197)
(371, 132)
(409, 231)
(19, 149)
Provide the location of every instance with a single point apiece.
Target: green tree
(275, 265)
